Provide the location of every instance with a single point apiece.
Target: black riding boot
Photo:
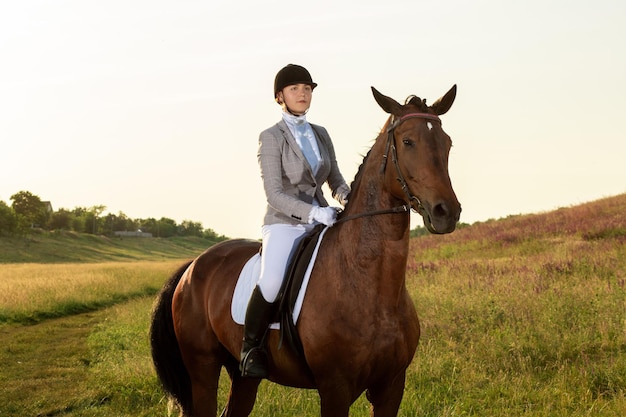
(253, 354)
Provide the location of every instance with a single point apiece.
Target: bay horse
(358, 326)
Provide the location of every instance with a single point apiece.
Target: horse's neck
(379, 242)
(370, 194)
(377, 249)
(380, 232)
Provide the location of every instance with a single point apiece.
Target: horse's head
(419, 150)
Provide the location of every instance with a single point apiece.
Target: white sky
(154, 108)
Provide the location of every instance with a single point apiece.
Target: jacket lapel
(321, 145)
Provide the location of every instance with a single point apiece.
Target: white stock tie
(304, 138)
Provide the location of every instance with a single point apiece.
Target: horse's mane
(357, 177)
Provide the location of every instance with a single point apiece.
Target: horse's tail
(166, 355)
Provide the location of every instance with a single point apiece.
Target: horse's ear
(443, 104)
(388, 104)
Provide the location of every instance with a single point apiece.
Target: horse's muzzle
(442, 217)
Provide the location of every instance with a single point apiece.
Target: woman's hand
(325, 215)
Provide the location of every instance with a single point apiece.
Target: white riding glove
(325, 215)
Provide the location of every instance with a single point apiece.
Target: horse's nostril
(440, 210)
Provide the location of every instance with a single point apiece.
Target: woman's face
(297, 97)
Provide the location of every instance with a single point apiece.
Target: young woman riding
(296, 158)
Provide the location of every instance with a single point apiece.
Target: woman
(295, 158)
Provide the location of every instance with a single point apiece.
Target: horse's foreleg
(386, 397)
(335, 399)
(332, 409)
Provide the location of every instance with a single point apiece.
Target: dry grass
(32, 292)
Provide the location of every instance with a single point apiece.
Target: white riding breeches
(279, 241)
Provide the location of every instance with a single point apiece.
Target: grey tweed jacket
(288, 179)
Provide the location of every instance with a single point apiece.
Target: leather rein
(414, 202)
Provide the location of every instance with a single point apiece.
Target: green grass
(65, 247)
(520, 317)
(121, 367)
(525, 316)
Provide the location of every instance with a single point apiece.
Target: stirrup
(254, 364)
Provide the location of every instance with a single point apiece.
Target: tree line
(28, 211)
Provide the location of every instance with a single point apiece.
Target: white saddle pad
(247, 281)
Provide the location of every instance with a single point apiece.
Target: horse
(358, 326)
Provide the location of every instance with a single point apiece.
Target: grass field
(524, 316)
(65, 247)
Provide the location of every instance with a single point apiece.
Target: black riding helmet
(290, 75)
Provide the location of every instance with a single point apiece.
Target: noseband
(414, 202)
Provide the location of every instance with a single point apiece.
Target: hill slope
(601, 219)
(69, 247)
(520, 235)
(524, 315)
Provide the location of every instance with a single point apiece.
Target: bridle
(414, 202)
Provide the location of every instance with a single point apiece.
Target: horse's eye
(408, 142)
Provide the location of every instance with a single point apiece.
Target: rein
(399, 209)
(417, 207)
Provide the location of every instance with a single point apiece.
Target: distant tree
(79, 211)
(120, 222)
(78, 223)
(189, 228)
(109, 223)
(167, 227)
(90, 224)
(88, 220)
(8, 220)
(418, 231)
(211, 235)
(93, 223)
(61, 220)
(132, 224)
(29, 208)
(461, 225)
(150, 225)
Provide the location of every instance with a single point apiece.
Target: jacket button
(313, 184)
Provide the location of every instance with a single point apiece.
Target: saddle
(292, 283)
